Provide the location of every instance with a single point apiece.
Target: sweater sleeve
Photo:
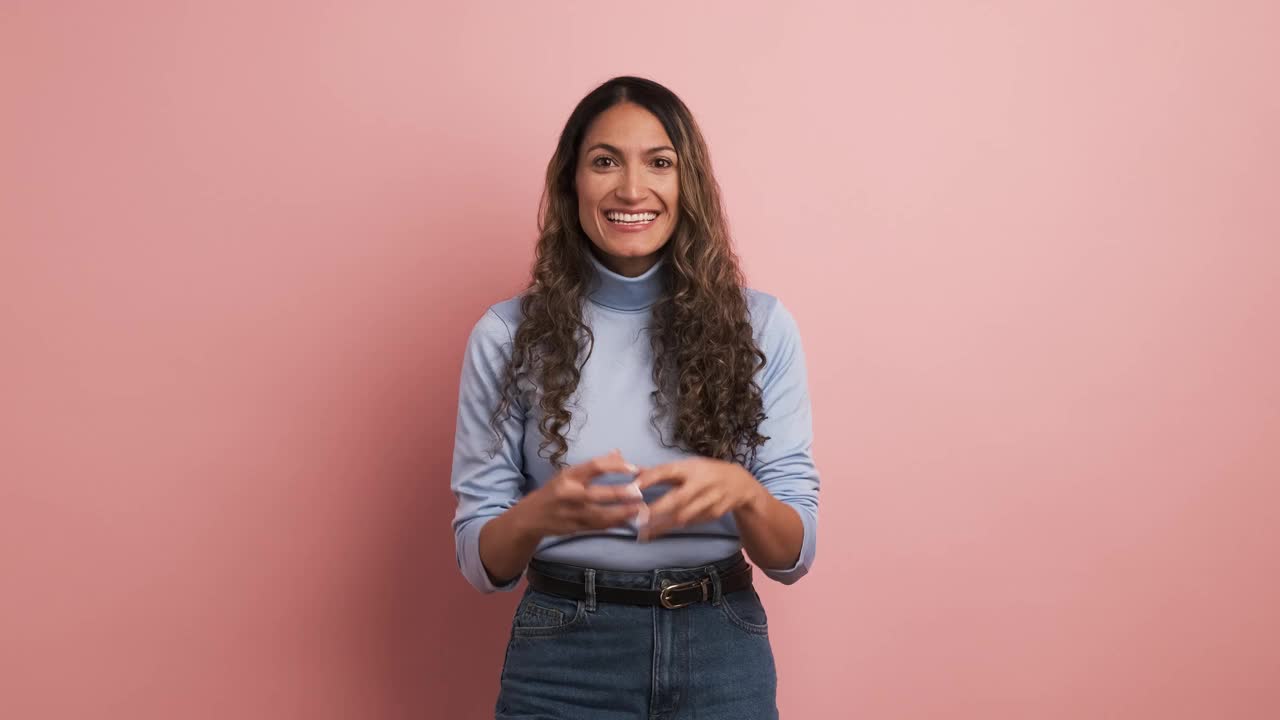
(784, 463)
(485, 483)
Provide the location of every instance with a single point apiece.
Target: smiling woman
(640, 601)
(627, 185)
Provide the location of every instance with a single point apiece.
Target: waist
(620, 552)
(639, 579)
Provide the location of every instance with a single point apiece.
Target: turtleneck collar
(627, 293)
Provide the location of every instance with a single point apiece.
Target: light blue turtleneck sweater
(611, 409)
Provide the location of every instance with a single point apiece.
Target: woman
(635, 334)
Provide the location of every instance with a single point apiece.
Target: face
(628, 188)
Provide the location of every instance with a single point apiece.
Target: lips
(636, 226)
(635, 215)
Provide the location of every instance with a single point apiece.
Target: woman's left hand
(705, 489)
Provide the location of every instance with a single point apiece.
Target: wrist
(758, 499)
(524, 523)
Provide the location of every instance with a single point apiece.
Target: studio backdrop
(1032, 250)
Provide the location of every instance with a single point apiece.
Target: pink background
(1034, 254)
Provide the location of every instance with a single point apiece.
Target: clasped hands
(703, 489)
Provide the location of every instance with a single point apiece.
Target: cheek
(587, 222)
(587, 212)
(588, 198)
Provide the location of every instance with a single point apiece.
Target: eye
(663, 160)
(596, 162)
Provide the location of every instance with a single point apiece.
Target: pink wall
(1034, 255)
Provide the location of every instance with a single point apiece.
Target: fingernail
(631, 468)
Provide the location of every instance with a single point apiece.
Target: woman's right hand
(569, 503)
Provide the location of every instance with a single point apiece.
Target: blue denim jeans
(570, 659)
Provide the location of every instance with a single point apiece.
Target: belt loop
(715, 585)
(590, 581)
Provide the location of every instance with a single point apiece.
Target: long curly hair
(705, 357)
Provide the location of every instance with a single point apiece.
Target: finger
(628, 493)
(688, 514)
(674, 509)
(722, 508)
(600, 518)
(645, 522)
(673, 500)
(670, 472)
(587, 471)
(656, 525)
(694, 511)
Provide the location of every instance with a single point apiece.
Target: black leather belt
(672, 595)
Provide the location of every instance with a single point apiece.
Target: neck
(614, 289)
(628, 266)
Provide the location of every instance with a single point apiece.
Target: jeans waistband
(641, 579)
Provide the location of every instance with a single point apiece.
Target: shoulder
(777, 335)
(498, 322)
(493, 332)
(771, 321)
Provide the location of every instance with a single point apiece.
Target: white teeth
(630, 217)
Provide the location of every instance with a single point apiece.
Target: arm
(772, 532)
(780, 532)
(487, 486)
(506, 545)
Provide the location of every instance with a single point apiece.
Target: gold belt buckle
(665, 598)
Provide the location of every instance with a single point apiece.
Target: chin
(630, 251)
(634, 248)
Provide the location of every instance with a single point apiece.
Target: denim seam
(747, 626)
(550, 630)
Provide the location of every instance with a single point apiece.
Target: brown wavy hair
(705, 357)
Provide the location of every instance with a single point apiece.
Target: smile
(630, 221)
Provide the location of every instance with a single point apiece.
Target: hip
(584, 652)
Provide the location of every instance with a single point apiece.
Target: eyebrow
(616, 151)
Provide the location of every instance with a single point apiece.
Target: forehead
(628, 127)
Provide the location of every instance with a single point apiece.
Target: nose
(631, 188)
